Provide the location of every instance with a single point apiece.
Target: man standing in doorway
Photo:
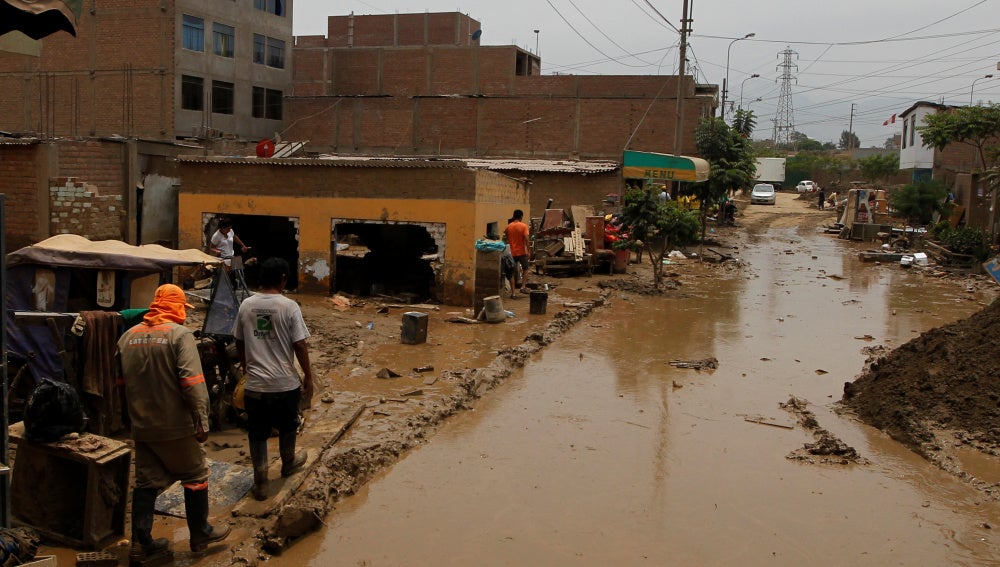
(516, 234)
(270, 335)
(168, 405)
(224, 241)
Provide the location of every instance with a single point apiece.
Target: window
(275, 53)
(276, 7)
(192, 93)
(913, 127)
(222, 97)
(223, 40)
(906, 128)
(267, 103)
(193, 33)
(268, 51)
(259, 48)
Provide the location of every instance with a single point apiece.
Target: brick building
(420, 84)
(160, 69)
(414, 222)
(957, 166)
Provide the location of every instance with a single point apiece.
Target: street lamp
(973, 87)
(754, 76)
(536, 42)
(725, 82)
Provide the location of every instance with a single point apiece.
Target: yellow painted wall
(465, 222)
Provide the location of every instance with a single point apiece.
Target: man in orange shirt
(516, 234)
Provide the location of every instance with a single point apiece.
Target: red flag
(886, 123)
(893, 119)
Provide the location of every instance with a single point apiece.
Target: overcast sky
(880, 55)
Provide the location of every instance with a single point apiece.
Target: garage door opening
(267, 237)
(393, 260)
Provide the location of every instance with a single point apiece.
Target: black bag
(53, 410)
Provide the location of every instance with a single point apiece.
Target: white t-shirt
(269, 324)
(224, 243)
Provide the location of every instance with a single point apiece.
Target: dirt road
(602, 451)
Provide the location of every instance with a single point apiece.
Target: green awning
(648, 165)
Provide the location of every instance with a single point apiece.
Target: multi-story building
(162, 69)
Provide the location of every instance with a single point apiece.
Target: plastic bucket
(539, 299)
(494, 309)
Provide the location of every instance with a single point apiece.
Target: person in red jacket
(516, 235)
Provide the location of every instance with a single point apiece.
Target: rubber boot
(145, 550)
(202, 533)
(258, 457)
(292, 461)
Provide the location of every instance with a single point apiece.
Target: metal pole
(4, 441)
(850, 134)
(536, 42)
(725, 82)
(743, 84)
(973, 87)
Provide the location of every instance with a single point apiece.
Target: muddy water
(600, 452)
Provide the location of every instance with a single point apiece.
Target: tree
(976, 126)
(917, 202)
(730, 154)
(810, 145)
(879, 167)
(657, 225)
(849, 140)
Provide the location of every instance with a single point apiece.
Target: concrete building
(160, 69)
(412, 223)
(957, 166)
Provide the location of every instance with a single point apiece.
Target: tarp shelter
(39, 18)
(666, 167)
(68, 273)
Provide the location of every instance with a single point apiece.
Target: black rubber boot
(202, 533)
(145, 550)
(258, 457)
(292, 461)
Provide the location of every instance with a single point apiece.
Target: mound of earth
(946, 379)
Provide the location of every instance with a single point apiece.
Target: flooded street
(600, 451)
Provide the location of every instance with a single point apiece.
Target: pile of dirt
(947, 379)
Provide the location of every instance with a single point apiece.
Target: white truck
(771, 170)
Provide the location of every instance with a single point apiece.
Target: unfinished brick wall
(79, 208)
(98, 163)
(19, 172)
(90, 85)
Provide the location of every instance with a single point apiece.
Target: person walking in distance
(822, 199)
(516, 234)
(167, 402)
(270, 335)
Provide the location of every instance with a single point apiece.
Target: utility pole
(682, 51)
(850, 133)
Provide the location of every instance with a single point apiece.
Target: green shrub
(965, 240)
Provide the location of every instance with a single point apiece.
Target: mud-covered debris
(387, 373)
(327, 398)
(425, 368)
(461, 319)
(762, 421)
(412, 392)
(865, 338)
(828, 449)
(820, 372)
(711, 363)
(430, 380)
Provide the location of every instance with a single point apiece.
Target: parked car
(762, 193)
(806, 186)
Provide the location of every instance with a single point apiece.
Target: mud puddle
(600, 451)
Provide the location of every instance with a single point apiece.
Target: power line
(585, 40)
(606, 36)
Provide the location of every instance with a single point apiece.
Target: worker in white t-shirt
(224, 241)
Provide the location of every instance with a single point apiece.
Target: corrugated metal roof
(412, 163)
(504, 164)
(4, 141)
(535, 165)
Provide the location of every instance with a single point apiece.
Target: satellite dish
(476, 35)
(265, 148)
